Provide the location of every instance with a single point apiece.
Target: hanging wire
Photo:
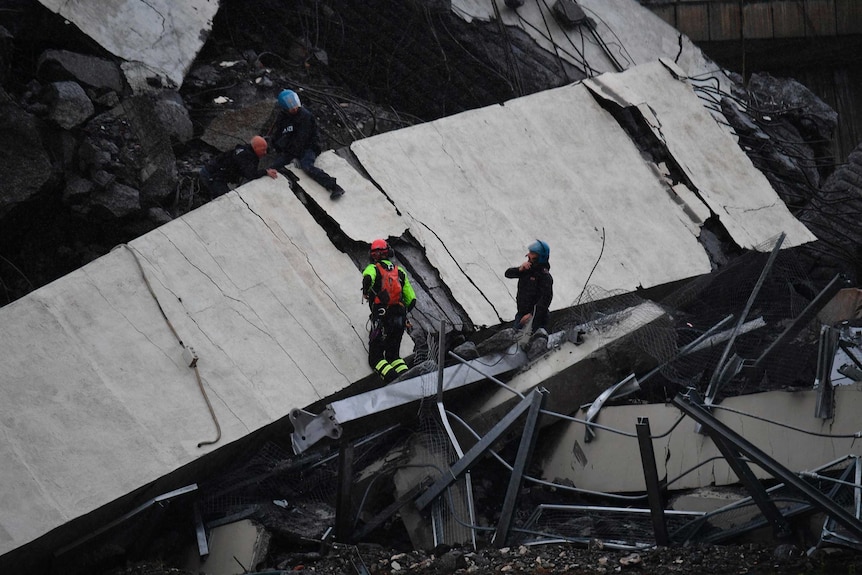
(537, 481)
(855, 435)
(511, 61)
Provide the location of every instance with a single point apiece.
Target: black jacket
(235, 165)
(535, 290)
(292, 134)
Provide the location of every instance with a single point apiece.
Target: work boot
(336, 192)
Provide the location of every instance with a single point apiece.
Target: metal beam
(717, 429)
(343, 501)
(390, 510)
(313, 428)
(824, 297)
(525, 453)
(714, 383)
(653, 485)
(827, 346)
(475, 452)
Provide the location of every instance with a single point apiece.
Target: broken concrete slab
(574, 374)
(535, 167)
(97, 378)
(710, 158)
(158, 39)
(234, 548)
(362, 213)
(647, 37)
(782, 423)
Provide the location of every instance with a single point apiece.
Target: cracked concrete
(159, 38)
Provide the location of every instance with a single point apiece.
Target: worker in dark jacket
(235, 166)
(387, 289)
(535, 287)
(294, 136)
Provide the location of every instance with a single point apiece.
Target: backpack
(390, 285)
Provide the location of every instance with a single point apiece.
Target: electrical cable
(551, 484)
(619, 42)
(588, 70)
(553, 43)
(511, 61)
(856, 435)
(598, 259)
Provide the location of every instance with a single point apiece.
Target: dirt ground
(750, 559)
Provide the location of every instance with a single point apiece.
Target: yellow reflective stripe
(399, 365)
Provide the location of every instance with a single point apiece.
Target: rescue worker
(387, 289)
(235, 166)
(294, 136)
(535, 287)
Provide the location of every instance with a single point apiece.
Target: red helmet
(379, 250)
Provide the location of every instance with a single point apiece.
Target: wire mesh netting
(688, 341)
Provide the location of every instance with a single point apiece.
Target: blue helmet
(288, 99)
(542, 249)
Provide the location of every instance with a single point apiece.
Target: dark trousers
(306, 162)
(214, 186)
(384, 343)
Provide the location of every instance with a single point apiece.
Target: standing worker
(294, 136)
(390, 296)
(535, 287)
(235, 166)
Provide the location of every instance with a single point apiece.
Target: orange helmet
(380, 250)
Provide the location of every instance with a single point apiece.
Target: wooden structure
(722, 20)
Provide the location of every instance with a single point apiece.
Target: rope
(182, 345)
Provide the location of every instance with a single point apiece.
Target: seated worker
(294, 136)
(235, 166)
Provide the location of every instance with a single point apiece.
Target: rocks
(55, 65)
(70, 106)
(575, 560)
(25, 168)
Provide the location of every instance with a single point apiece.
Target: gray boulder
(58, 65)
(119, 200)
(25, 167)
(70, 107)
(174, 116)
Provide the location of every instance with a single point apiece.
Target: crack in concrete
(203, 243)
(129, 321)
(439, 239)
